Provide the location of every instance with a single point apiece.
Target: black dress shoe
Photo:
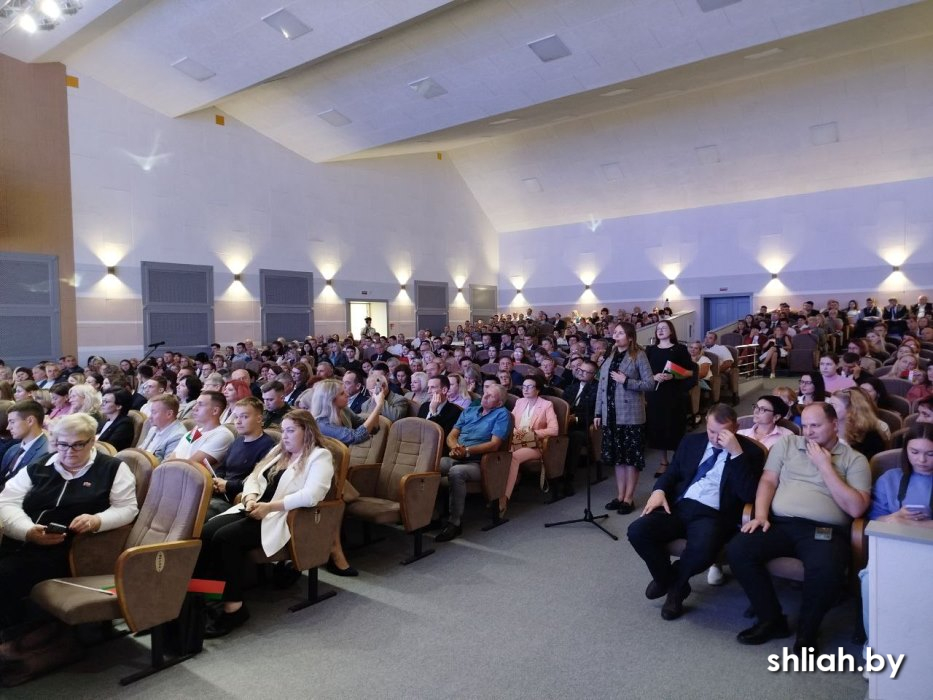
(765, 631)
(226, 623)
(655, 590)
(674, 605)
(803, 642)
(613, 504)
(284, 575)
(449, 532)
(337, 571)
(625, 507)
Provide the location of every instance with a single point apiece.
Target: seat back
(883, 462)
(891, 418)
(141, 463)
(790, 425)
(106, 448)
(562, 409)
(802, 355)
(732, 339)
(898, 404)
(274, 433)
(489, 369)
(910, 420)
(188, 423)
(746, 422)
(882, 371)
(714, 379)
(140, 425)
(413, 445)
(175, 505)
(895, 385)
(341, 456)
(371, 451)
(523, 369)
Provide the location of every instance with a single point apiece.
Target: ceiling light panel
(550, 48)
(193, 69)
(286, 24)
(428, 88)
(334, 118)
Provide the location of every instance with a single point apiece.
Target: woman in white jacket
(295, 474)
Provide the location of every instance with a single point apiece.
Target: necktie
(579, 394)
(706, 465)
(11, 467)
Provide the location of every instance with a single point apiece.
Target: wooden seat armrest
(96, 554)
(748, 512)
(859, 545)
(313, 532)
(364, 478)
(152, 581)
(417, 494)
(554, 455)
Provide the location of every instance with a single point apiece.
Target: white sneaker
(714, 576)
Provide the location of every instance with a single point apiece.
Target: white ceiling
(361, 55)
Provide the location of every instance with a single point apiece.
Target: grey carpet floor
(518, 612)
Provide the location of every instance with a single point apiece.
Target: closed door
(722, 311)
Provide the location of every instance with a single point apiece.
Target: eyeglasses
(73, 446)
(586, 371)
(529, 386)
(762, 409)
(806, 381)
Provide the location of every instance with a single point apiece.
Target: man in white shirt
(711, 342)
(209, 440)
(156, 386)
(166, 431)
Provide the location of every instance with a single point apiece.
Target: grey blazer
(630, 400)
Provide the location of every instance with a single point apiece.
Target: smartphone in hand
(56, 529)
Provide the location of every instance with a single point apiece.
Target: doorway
(719, 311)
(358, 310)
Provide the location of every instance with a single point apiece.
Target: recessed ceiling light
(550, 48)
(285, 22)
(334, 118)
(764, 54)
(193, 69)
(613, 93)
(503, 121)
(533, 184)
(710, 5)
(428, 88)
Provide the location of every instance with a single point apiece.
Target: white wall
(146, 187)
(832, 218)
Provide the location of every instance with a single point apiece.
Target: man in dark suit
(116, 427)
(580, 394)
(923, 307)
(895, 314)
(699, 497)
(24, 421)
(382, 355)
(357, 393)
(439, 410)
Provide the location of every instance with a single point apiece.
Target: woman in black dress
(668, 406)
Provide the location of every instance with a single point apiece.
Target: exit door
(726, 310)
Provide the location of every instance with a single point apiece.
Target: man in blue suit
(25, 425)
(700, 497)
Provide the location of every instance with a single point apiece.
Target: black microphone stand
(588, 516)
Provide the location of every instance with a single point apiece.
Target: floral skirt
(624, 444)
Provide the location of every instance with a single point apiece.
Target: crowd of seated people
(212, 408)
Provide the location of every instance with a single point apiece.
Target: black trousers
(226, 543)
(704, 528)
(824, 564)
(21, 568)
(576, 440)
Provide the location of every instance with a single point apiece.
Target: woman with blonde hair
(459, 394)
(904, 365)
(297, 473)
(857, 421)
(84, 399)
(419, 389)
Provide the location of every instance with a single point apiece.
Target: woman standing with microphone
(620, 411)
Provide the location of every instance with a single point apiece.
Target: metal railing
(747, 364)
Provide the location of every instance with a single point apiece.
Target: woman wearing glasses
(812, 390)
(534, 419)
(103, 497)
(768, 410)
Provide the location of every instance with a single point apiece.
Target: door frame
(719, 295)
(367, 301)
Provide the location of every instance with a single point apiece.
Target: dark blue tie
(706, 465)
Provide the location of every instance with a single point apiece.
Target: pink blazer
(543, 417)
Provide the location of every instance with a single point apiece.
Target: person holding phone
(905, 495)
(38, 497)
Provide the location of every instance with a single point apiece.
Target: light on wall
(670, 283)
(329, 283)
(518, 291)
(112, 270)
(459, 290)
(238, 277)
(586, 287)
(774, 275)
(895, 268)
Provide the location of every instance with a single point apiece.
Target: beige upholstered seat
(140, 425)
(152, 574)
(106, 448)
(403, 487)
(313, 530)
(371, 451)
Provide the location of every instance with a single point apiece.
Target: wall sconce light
(518, 291)
(237, 277)
(895, 268)
(403, 288)
(586, 287)
(459, 290)
(112, 270)
(774, 275)
(670, 283)
(329, 283)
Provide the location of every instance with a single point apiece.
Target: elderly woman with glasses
(40, 514)
(768, 410)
